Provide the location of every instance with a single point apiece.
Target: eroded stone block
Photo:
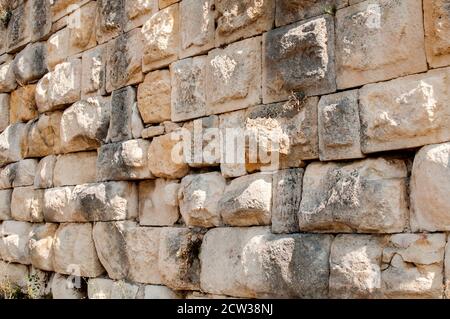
(5, 204)
(41, 245)
(120, 125)
(75, 169)
(58, 48)
(31, 63)
(12, 143)
(4, 111)
(7, 78)
(154, 97)
(24, 172)
(94, 72)
(110, 19)
(43, 136)
(138, 12)
(437, 27)
(63, 289)
(23, 104)
(14, 237)
(44, 172)
(81, 26)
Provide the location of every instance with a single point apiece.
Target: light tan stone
(13, 275)
(154, 97)
(437, 27)
(60, 8)
(159, 292)
(23, 104)
(111, 17)
(58, 48)
(43, 136)
(165, 3)
(94, 72)
(5, 204)
(7, 175)
(138, 12)
(7, 78)
(41, 245)
(153, 131)
(102, 288)
(63, 288)
(14, 237)
(27, 204)
(81, 25)
(30, 64)
(4, 111)
(12, 143)
(44, 172)
(75, 169)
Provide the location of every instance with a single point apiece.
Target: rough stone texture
(22, 104)
(14, 237)
(43, 136)
(437, 27)
(12, 143)
(81, 26)
(138, 12)
(13, 274)
(367, 196)
(413, 266)
(199, 196)
(7, 78)
(75, 169)
(161, 35)
(58, 48)
(153, 131)
(158, 203)
(44, 172)
(63, 289)
(165, 3)
(299, 58)
(74, 251)
(236, 262)
(84, 125)
(41, 245)
(4, 111)
(366, 34)
(159, 292)
(31, 63)
(93, 78)
(120, 125)
(123, 161)
(405, 112)
(243, 19)
(102, 288)
(7, 175)
(24, 173)
(247, 201)
(339, 126)
(110, 19)
(233, 77)
(5, 204)
(153, 96)
(27, 204)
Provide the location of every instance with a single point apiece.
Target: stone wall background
(358, 206)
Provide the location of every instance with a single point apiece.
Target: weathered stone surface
(367, 196)
(120, 127)
(366, 34)
(138, 12)
(110, 19)
(437, 27)
(4, 111)
(286, 197)
(22, 106)
(7, 175)
(60, 8)
(75, 169)
(44, 172)
(102, 288)
(405, 112)
(161, 35)
(339, 126)
(5, 204)
(154, 97)
(124, 65)
(43, 136)
(58, 48)
(233, 76)
(413, 266)
(188, 88)
(81, 25)
(299, 58)
(158, 203)
(84, 125)
(153, 131)
(247, 201)
(93, 78)
(41, 245)
(159, 292)
(123, 161)
(40, 19)
(164, 159)
(447, 270)
(196, 27)
(165, 3)
(14, 237)
(31, 63)
(12, 143)
(91, 202)
(179, 262)
(199, 196)
(243, 19)
(236, 262)
(27, 204)
(63, 288)
(13, 274)
(7, 78)
(25, 172)
(74, 251)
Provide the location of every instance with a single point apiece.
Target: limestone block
(165, 3)
(63, 288)
(199, 197)
(58, 48)
(31, 63)
(3, 34)
(247, 201)
(158, 203)
(242, 19)
(41, 245)
(232, 162)
(153, 131)
(154, 97)
(405, 112)
(7, 175)
(44, 172)
(437, 27)
(27, 204)
(94, 72)
(196, 27)
(367, 196)
(110, 19)
(5, 204)
(188, 88)
(22, 104)
(233, 76)
(161, 35)
(43, 136)
(25, 172)
(138, 12)
(120, 127)
(124, 63)
(123, 161)
(84, 125)
(102, 288)
(179, 262)
(159, 292)
(41, 19)
(81, 26)
(413, 266)
(61, 8)
(7, 78)
(74, 251)
(235, 262)
(75, 169)
(14, 275)
(14, 237)
(4, 111)
(366, 34)
(339, 126)
(299, 58)
(12, 143)
(164, 159)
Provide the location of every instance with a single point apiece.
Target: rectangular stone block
(31, 63)
(154, 97)
(93, 78)
(120, 125)
(14, 237)
(58, 48)
(7, 77)
(7, 175)
(111, 17)
(366, 34)
(27, 204)
(61, 8)
(43, 135)
(61, 290)
(4, 111)
(44, 172)
(405, 112)
(14, 274)
(138, 12)
(41, 245)
(81, 25)
(165, 3)
(12, 143)
(367, 196)
(5, 204)
(299, 58)
(24, 172)
(22, 104)
(437, 28)
(75, 169)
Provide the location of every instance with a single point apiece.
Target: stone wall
(105, 105)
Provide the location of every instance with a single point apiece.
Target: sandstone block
(7, 78)
(22, 105)
(44, 172)
(154, 97)
(289, 64)
(138, 12)
(94, 72)
(367, 196)
(41, 245)
(27, 204)
(75, 169)
(24, 173)
(437, 43)
(58, 48)
(4, 111)
(110, 19)
(122, 103)
(62, 288)
(12, 143)
(5, 204)
(165, 3)
(14, 237)
(43, 136)
(81, 26)
(31, 63)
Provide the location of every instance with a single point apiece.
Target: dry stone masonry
(220, 148)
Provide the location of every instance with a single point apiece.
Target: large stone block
(7, 175)
(12, 143)
(31, 63)
(41, 245)
(367, 196)
(4, 111)
(437, 27)
(14, 237)
(43, 136)
(236, 262)
(14, 275)
(247, 201)
(161, 35)
(93, 78)
(138, 12)
(63, 288)
(81, 27)
(61, 8)
(84, 125)
(75, 169)
(233, 76)
(154, 97)
(405, 112)
(74, 251)
(58, 48)
(27, 204)
(25, 172)
(165, 3)
(7, 78)
(22, 105)
(5, 204)
(242, 19)
(123, 161)
(379, 40)
(102, 288)
(299, 58)
(120, 126)
(44, 172)
(110, 19)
